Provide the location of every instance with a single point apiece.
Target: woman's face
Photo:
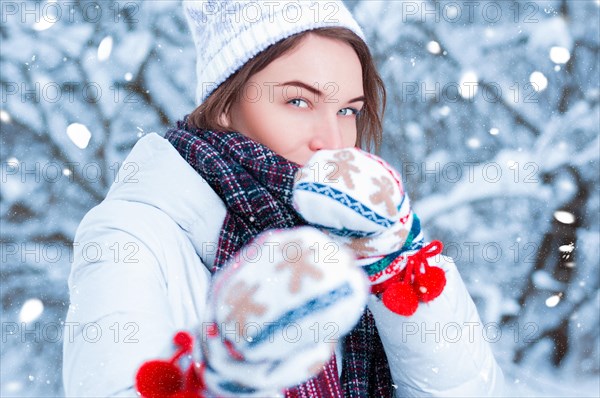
(303, 101)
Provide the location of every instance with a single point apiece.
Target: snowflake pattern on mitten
(362, 204)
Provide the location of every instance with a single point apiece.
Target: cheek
(350, 134)
(266, 126)
(255, 118)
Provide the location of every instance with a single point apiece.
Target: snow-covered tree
(492, 117)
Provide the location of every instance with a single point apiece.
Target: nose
(327, 135)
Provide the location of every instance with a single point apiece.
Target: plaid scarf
(256, 186)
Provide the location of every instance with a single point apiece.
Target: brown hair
(369, 121)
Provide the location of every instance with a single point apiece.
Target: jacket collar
(154, 173)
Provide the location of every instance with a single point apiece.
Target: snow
(434, 47)
(79, 134)
(31, 310)
(508, 182)
(468, 84)
(538, 80)
(559, 55)
(4, 116)
(105, 48)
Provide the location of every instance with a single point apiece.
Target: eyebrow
(315, 91)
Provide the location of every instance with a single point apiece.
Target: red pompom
(194, 377)
(156, 379)
(430, 284)
(401, 299)
(184, 340)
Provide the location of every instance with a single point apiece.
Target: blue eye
(298, 99)
(355, 111)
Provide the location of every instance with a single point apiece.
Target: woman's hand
(359, 200)
(277, 309)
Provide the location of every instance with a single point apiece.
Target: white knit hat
(227, 34)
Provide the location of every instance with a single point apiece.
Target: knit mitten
(274, 314)
(276, 311)
(358, 200)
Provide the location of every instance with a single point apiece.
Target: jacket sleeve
(120, 313)
(439, 351)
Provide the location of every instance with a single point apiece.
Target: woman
(291, 80)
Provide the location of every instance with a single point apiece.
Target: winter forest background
(493, 119)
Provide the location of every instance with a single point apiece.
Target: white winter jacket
(140, 273)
